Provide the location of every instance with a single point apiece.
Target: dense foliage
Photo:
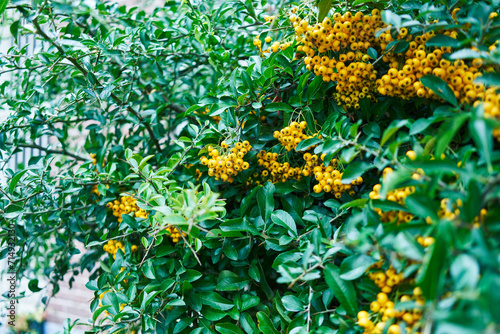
(260, 167)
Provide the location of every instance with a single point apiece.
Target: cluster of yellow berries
(347, 31)
(95, 190)
(447, 211)
(124, 206)
(425, 242)
(386, 281)
(397, 195)
(269, 18)
(113, 246)
(355, 82)
(405, 83)
(227, 163)
(274, 170)
(450, 211)
(355, 77)
(292, 135)
(175, 233)
(330, 179)
(383, 313)
(94, 160)
(492, 107)
(275, 47)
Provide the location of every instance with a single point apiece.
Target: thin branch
(115, 98)
(184, 153)
(50, 151)
(58, 209)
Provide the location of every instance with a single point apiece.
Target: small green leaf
(266, 326)
(355, 266)
(443, 41)
(447, 132)
(284, 219)
(354, 170)
(323, 9)
(15, 180)
(292, 303)
(481, 133)
(278, 106)
(440, 87)
(228, 328)
(33, 285)
(489, 79)
(3, 5)
(371, 51)
(265, 200)
(392, 129)
(465, 54)
(305, 144)
(343, 291)
(214, 300)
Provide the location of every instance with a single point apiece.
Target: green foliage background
(143, 89)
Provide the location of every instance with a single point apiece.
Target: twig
(191, 248)
(115, 98)
(49, 151)
(304, 274)
(185, 152)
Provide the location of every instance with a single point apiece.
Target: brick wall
(71, 303)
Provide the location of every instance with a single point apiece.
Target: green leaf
(231, 283)
(247, 323)
(401, 46)
(391, 18)
(407, 245)
(465, 54)
(420, 206)
(313, 87)
(285, 220)
(443, 41)
(371, 51)
(489, 79)
(148, 269)
(248, 302)
(465, 272)
(292, 303)
(447, 132)
(33, 285)
(3, 5)
(360, 202)
(440, 87)
(305, 144)
(392, 129)
(343, 291)
(265, 200)
(228, 328)
(420, 125)
(15, 180)
(265, 324)
(176, 302)
(355, 266)
(278, 106)
(354, 170)
(323, 9)
(214, 300)
(431, 275)
(481, 133)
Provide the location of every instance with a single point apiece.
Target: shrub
(261, 167)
